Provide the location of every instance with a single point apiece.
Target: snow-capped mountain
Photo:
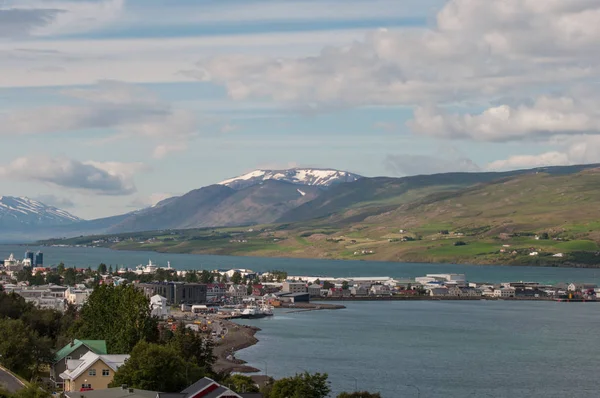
(316, 177)
(16, 212)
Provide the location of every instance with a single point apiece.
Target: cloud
(229, 128)
(56, 201)
(386, 126)
(125, 109)
(570, 151)
(53, 17)
(447, 160)
(475, 51)
(103, 178)
(547, 116)
(165, 149)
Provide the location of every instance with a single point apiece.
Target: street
(9, 382)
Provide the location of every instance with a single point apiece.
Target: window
(86, 386)
(105, 372)
(92, 372)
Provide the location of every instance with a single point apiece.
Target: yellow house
(91, 371)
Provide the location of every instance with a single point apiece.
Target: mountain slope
(382, 193)
(22, 213)
(300, 176)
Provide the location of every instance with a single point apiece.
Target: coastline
(271, 254)
(244, 336)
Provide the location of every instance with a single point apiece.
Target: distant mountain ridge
(299, 176)
(22, 212)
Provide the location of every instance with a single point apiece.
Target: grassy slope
(565, 206)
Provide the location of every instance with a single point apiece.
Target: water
(443, 349)
(84, 257)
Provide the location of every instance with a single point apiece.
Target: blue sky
(111, 105)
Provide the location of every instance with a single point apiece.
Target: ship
(257, 311)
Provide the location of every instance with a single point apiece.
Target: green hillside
(495, 222)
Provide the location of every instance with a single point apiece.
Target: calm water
(84, 257)
(445, 349)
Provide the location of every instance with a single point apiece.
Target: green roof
(96, 346)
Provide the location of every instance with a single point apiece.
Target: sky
(107, 106)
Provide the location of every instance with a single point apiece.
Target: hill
(493, 222)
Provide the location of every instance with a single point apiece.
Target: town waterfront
(442, 349)
(87, 256)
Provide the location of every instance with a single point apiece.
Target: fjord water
(442, 348)
(85, 256)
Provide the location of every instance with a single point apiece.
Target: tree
(31, 391)
(236, 278)
(206, 277)
(191, 277)
(37, 279)
(120, 315)
(359, 394)
(110, 270)
(23, 350)
(328, 285)
(24, 274)
(53, 278)
(345, 285)
(156, 368)
(240, 383)
(317, 282)
(102, 268)
(303, 385)
(194, 347)
(60, 268)
(70, 276)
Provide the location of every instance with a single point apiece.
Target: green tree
(70, 276)
(240, 383)
(102, 269)
(328, 285)
(24, 275)
(31, 391)
(37, 279)
(191, 277)
(236, 278)
(23, 350)
(60, 268)
(303, 385)
(345, 285)
(194, 347)
(359, 394)
(110, 270)
(157, 368)
(206, 277)
(120, 315)
(53, 278)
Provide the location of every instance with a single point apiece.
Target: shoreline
(566, 264)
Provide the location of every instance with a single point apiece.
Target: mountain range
(294, 196)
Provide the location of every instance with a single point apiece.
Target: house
(159, 307)
(91, 371)
(74, 350)
(504, 292)
(237, 291)
(573, 287)
(360, 290)
(77, 296)
(380, 290)
(294, 287)
(215, 291)
(438, 291)
(258, 290)
(314, 290)
(338, 292)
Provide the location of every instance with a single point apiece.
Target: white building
(294, 287)
(77, 296)
(437, 291)
(238, 291)
(159, 307)
(504, 292)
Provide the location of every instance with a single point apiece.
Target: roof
(117, 392)
(199, 385)
(96, 346)
(76, 368)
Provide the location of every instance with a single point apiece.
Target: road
(9, 382)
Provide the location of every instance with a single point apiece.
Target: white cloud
(570, 151)
(150, 200)
(165, 149)
(445, 160)
(477, 50)
(547, 116)
(103, 178)
(56, 201)
(229, 128)
(125, 109)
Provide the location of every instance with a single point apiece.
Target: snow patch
(300, 192)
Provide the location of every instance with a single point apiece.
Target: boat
(254, 312)
(151, 268)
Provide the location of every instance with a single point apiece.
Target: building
(237, 291)
(504, 292)
(380, 290)
(437, 291)
(91, 371)
(77, 296)
(74, 350)
(159, 307)
(39, 259)
(203, 388)
(360, 290)
(294, 297)
(294, 287)
(574, 287)
(314, 290)
(29, 256)
(176, 293)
